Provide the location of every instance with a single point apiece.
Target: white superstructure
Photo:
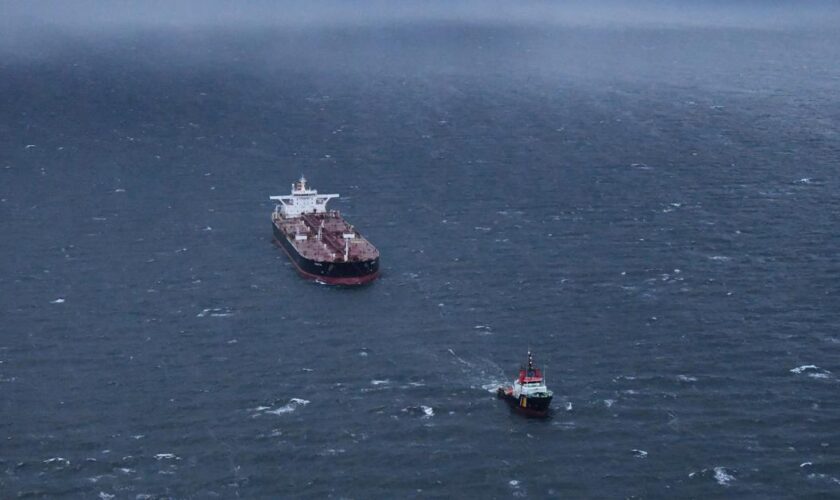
(531, 382)
(531, 389)
(301, 201)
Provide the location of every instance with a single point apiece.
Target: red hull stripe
(531, 413)
(329, 280)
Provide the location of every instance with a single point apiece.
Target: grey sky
(24, 16)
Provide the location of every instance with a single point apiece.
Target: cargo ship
(528, 394)
(322, 245)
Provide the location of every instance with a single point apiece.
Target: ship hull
(331, 273)
(529, 406)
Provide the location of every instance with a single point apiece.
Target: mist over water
(645, 195)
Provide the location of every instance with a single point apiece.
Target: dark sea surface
(654, 211)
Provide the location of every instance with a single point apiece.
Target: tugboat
(528, 394)
(320, 243)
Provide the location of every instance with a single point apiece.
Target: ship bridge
(302, 200)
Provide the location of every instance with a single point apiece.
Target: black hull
(333, 273)
(532, 407)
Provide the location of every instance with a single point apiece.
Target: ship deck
(330, 246)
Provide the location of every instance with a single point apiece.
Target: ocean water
(653, 211)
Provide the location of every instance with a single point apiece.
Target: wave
(723, 477)
(812, 371)
(422, 411)
(215, 312)
(289, 407)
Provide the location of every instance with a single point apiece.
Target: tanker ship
(320, 243)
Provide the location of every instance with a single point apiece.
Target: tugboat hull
(529, 406)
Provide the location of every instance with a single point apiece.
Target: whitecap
(60, 460)
(686, 378)
(812, 371)
(215, 312)
(609, 402)
(720, 258)
(291, 406)
(283, 409)
(167, 456)
(422, 411)
(722, 476)
(57, 301)
(380, 382)
(483, 329)
(824, 477)
(640, 453)
(105, 496)
(568, 406)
